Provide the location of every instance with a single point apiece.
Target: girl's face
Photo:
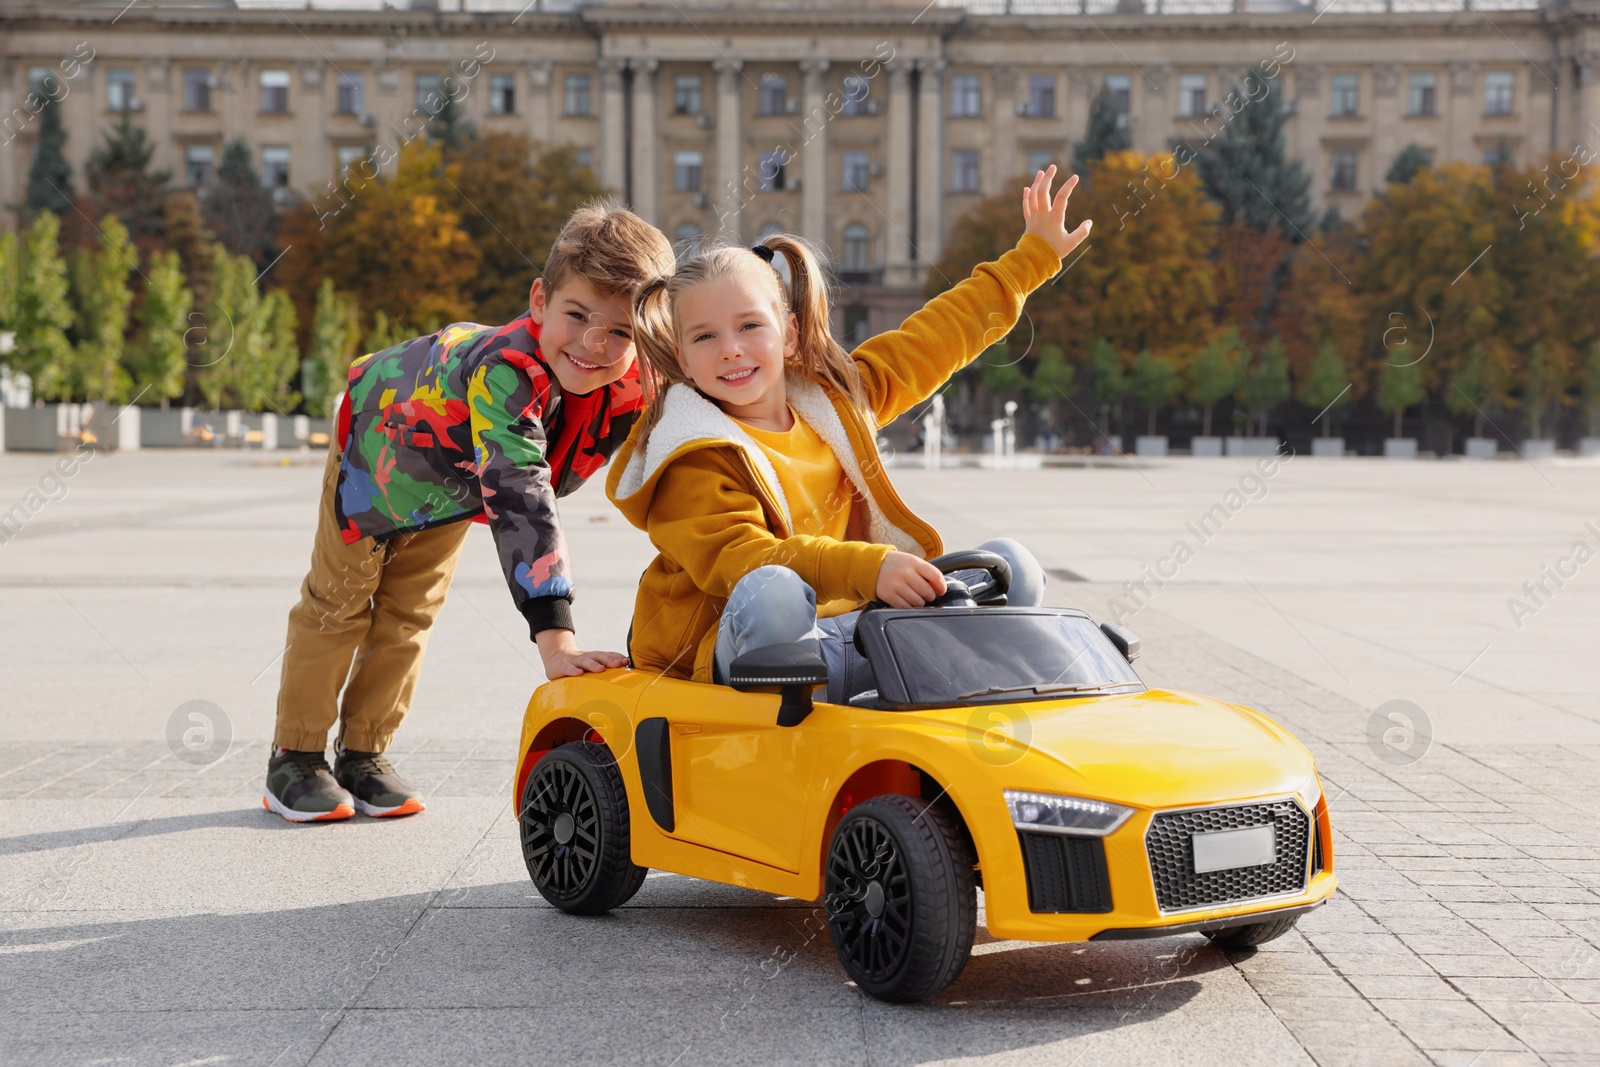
(732, 343)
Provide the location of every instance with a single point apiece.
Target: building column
(158, 114)
(1587, 105)
(1003, 118)
(317, 168)
(613, 127)
(728, 196)
(538, 117)
(930, 165)
(1459, 110)
(814, 154)
(1387, 106)
(1081, 87)
(898, 268)
(646, 169)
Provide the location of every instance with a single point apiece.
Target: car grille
(1171, 851)
(1066, 874)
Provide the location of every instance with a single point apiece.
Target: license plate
(1224, 850)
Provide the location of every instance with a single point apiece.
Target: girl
(754, 469)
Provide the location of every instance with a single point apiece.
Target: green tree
(1215, 374)
(50, 175)
(1106, 133)
(264, 381)
(1326, 386)
(1108, 383)
(1472, 387)
(102, 302)
(43, 308)
(239, 210)
(10, 284)
(334, 332)
(1400, 386)
(157, 360)
(232, 330)
(385, 334)
(1265, 384)
(121, 182)
(1154, 383)
(1000, 371)
(1542, 386)
(1053, 377)
(187, 235)
(449, 126)
(1590, 397)
(1411, 159)
(1246, 169)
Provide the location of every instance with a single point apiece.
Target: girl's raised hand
(1048, 218)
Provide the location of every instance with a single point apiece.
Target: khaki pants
(370, 606)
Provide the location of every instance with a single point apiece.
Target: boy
(473, 422)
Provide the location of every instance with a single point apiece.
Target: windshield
(951, 658)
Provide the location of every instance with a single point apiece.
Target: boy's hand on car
(1048, 218)
(906, 581)
(564, 659)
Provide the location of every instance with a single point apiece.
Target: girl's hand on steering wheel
(907, 581)
(1047, 217)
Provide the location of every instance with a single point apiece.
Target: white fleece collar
(687, 416)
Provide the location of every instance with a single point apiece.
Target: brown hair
(609, 247)
(817, 355)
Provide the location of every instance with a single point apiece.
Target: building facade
(867, 128)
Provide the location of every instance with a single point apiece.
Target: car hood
(1156, 748)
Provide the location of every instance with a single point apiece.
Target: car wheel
(1252, 934)
(574, 828)
(901, 905)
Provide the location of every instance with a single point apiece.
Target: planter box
(1153, 446)
(1205, 446)
(1589, 446)
(217, 428)
(259, 429)
(1400, 448)
(1327, 448)
(166, 427)
(46, 428)
(1481, 448)
(114, 426)
(311, 432)
(1539, 448)
(1252, 446)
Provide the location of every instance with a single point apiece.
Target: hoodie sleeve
(903, 367)
(511, 451)
(704, 519)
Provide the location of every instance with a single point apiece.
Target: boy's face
(585, 335)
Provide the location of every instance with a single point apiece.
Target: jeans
(773, 605)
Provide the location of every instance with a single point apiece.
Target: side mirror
(1126, 640)
(793, 668)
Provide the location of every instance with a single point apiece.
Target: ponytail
(821, 358)
(653, 335)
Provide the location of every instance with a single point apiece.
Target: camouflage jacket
(469, 423)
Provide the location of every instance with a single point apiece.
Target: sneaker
(377, 789)
(300, 787)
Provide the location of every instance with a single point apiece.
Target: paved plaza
(1429, 629)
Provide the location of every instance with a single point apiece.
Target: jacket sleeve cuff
(547, 613)
(866, 560)
(1029, 265)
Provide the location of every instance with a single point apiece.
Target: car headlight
(1045, 813)
(1310, 792)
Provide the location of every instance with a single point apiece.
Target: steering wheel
(958, 592)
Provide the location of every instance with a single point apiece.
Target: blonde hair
(817, 355)
(609, 247)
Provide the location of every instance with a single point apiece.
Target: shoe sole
(273, 804)
(411, 807)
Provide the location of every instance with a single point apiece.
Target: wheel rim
(869, 900)
(560, 829)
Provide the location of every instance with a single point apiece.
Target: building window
(774, 96)
(349, 155)
(198, 161)
(686, 171)
(1497, 89)
(1343, 99)
(352, 95)
(42, 81)
(1499, 155)
(964, 172)
(1342, 171)
(1120, 86)
(576, 96)
(1038, 161)
(857, 172)
(502, 94)
(197, 90)
(428, 97)
(1191, 95)
(772, 170)
(1420, 98)
(1041, 96)
(119, 89)
(275, 169)
(857, 88)
(966, 96)
(686, 95)
(857, 249)
(686, 240)
(275, 91)
(585, 158)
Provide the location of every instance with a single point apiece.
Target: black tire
(574, 830)
(1252, 934)
(904, 859)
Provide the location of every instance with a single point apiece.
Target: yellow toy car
(1008, 748)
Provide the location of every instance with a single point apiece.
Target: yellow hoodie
(700, 486)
